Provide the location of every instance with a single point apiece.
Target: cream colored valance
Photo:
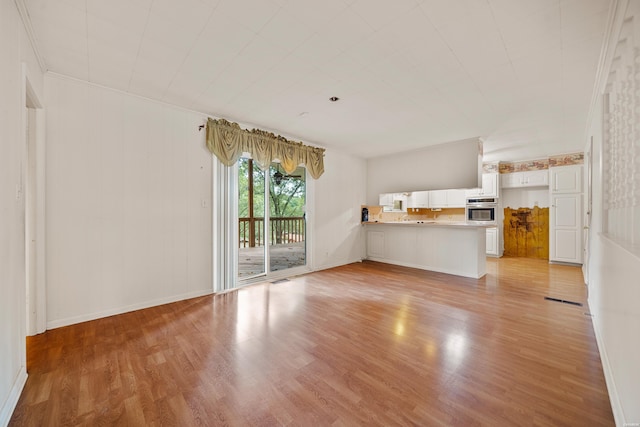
(228, 141)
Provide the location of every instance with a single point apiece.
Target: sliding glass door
(251, 220)
(287, 231)
(271, 214)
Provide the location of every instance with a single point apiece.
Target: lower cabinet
(492, 241)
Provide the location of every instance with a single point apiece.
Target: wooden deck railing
(282, 230)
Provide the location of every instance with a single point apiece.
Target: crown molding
(26, 21)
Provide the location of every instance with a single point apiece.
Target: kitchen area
(438, 230)
(521, 209)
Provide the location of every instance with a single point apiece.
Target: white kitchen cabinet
(418, 199)
(385, 199)
(490, 186)
(566, 179)
(393, 202)
(565, 215)
(565, 228)
(492, 241)
(456, 198)
(538, 178)
(438, 199)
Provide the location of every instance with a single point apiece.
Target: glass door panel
(251, 220)
(287, 220)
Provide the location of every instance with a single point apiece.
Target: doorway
(33, 189)
(271, 220)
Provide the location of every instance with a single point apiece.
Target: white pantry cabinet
(565, 216)
(566, 179)
(526, 179)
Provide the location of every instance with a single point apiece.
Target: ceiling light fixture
(334, 99)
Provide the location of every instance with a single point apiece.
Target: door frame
(36, 320)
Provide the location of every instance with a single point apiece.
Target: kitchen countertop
(432, 223)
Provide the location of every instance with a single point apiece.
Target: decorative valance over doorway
(228, 141)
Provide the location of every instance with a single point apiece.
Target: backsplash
(416, 214)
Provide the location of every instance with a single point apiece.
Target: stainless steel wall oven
(481, 210)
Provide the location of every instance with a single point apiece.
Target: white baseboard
(616, 406)
(120, 310)
(336, 264)
(14, 395)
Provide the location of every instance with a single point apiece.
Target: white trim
(121, 310)
(14, 395)
(337, 264)
(28, 27)
(41, 232)
(615, 20)
(616, 406)
(30, 94)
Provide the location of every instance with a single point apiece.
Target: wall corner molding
(26, 21)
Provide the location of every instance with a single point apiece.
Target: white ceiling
(409, 73)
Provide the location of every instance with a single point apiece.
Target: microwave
(481, 211)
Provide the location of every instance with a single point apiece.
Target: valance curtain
(228, 141)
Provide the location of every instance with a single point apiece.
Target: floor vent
(579, 304)
(279, 281)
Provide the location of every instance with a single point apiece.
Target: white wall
(126, 178)
(614, 302)
(614, 288)
(15, 50)
(524, 197)
(339, 196)
(451, 165)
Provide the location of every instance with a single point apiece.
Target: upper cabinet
(538, 178)
(566, 179)
(490, 186)
(385, 199)
(393, 202)
(418, 199)
(438, 199)
(447, 198)
(456, 198)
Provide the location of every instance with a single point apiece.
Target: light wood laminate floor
(363, 344)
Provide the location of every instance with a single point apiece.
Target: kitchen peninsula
(452, 247)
